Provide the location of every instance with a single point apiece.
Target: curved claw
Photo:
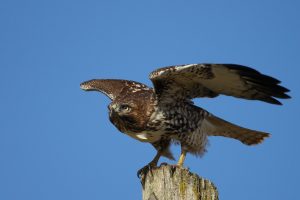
(148, 167)
(144, 170)
(141, 174)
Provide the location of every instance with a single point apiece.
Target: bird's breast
(145, 136)
(134, 130)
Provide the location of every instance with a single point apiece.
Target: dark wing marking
(210, 80)
(112, 87)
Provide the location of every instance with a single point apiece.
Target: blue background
(56, 141)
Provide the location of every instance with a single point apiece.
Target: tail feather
(215, 126)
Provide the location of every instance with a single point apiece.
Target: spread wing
(209, 80)
(112, 87)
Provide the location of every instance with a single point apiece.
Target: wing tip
(261, 136)
(268, 86)
(87, 85)
(272, 99)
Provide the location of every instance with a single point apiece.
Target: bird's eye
(125, 108)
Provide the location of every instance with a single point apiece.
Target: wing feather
(210, 80)
(112, 87)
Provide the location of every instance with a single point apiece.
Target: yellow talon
(181, 158)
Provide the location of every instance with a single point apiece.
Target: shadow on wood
(174, 183)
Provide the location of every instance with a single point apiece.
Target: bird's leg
(150, 165)
(155, 159)
(181, 158)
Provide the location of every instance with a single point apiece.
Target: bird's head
(121, 109)
(124, 115)
(131, 105)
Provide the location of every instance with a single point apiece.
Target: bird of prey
(166, 114)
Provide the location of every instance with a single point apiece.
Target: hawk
(166, 113)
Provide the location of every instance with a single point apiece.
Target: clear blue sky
(56, 141)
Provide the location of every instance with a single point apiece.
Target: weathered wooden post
(174, 183)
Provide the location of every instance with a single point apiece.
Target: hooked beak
(113, 108)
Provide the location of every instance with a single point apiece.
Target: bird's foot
(144, 171)
(141, 174)
(172, 165)
(163, 164)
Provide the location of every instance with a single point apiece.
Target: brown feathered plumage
(166, 113)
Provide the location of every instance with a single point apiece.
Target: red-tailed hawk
(166, 113)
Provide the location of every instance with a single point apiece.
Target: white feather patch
(142, 136)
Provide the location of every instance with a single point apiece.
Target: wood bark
(174, 183)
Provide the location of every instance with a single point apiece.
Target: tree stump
(174, 183)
